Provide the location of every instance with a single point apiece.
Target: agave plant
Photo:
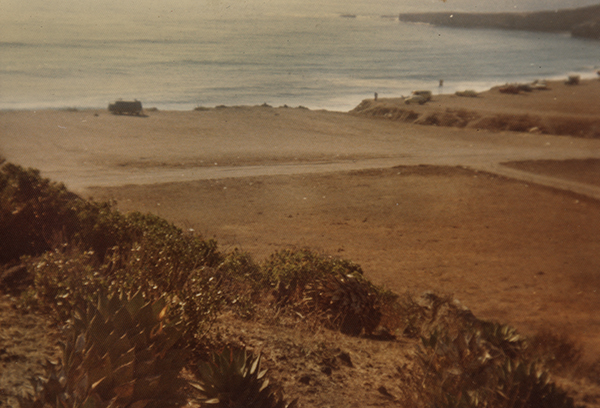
(524, 385)
(119, 353)
(476, 368)
(233, 379)
(504, 337)
(460, 369)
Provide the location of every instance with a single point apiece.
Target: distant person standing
(375, 96)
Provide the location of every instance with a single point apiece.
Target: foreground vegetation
(139, 298)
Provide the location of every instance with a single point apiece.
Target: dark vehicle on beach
(126, 108)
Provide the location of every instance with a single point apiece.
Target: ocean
(327, 60)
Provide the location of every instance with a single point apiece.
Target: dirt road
(94, 148)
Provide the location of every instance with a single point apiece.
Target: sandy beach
(421, 204)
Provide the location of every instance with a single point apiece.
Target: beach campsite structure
(126, 107)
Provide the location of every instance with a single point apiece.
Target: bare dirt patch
(26, 341)
(586, 171)
(328, 369)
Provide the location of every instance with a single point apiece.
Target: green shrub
(348, 303)
(241, 282)
(37, 215)
(198, 302)
(156, 255)
(332, 290)
(85, 248)
(142, 241)
(291, 271)
(69, 278)
(240, 266)
(34, 212)
(64, 280)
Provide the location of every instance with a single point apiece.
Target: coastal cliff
(581, 22)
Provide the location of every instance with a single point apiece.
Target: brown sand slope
(559, 110)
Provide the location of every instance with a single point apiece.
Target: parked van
(126, 108)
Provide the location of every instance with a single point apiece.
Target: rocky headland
(580, 22)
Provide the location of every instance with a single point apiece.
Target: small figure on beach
(441, 83)
(375, 96)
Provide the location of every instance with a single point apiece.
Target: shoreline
(449, 88)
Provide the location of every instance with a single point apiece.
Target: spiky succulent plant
(524, 385)
(485, 368)
(233, 378)
(119, 353)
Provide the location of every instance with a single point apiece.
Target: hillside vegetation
(154, 316)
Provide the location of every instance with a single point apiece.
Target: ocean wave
(318, 62)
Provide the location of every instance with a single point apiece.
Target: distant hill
(580, 22)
